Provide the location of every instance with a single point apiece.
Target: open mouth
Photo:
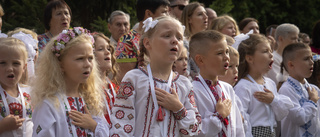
(311, 69)
(226, 66)
(185, 69)
(107, 58)
(11, 76)
(270, 64)
(236, 78)
(86, 73)
(174, 49)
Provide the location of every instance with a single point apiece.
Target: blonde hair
(149, 34)
(230, 40)
(220, 22)
(24, 30)
(1, 11)
(186, 14)
(16, 44)
(114, 69)
(50, 80)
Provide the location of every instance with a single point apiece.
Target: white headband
(2, 35)
(241, 37)
(149, 24)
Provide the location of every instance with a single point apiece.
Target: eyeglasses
(181, 7)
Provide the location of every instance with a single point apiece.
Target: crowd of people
(182, 70)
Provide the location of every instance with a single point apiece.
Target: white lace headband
(241, 37)
(2, 35)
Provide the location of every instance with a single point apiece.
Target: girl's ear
(146, 43)
(249, 59)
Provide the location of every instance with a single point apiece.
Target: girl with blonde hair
(67, 90)
(226, 25)
(15, 108)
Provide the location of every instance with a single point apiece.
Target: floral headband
(241, 37)
(149, 24)
(316, 57)
(65, 36)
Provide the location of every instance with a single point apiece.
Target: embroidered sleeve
(123, 112)
(189, 119)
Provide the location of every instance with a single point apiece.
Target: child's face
(216, 60)
(166, 43)
(12, 66)
(302, 64)
(102, 54)
(232, 74)
(262, 59)
(199, 20)
(181, 63)
(77, 63)
(229, 29)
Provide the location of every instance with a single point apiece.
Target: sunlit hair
(186, 14)
(200, 43)
(289, 54)
(220, 22)
(285, 29)
(243, 23)
(233, 52)
(248, 47)
(50, 80)
(114, 69)
(24, 30)
(1, 11)
(9, 44)
(151, 31)
(230, 40)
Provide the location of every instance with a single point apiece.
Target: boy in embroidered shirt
(215, 99)
(303, 118)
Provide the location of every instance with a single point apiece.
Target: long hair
(114, 69)
(50, 81)
(186, 14)
(221, 21)
(248, 47)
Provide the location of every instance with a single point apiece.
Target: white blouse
(303, 118)
(133, 112)
(256, 112)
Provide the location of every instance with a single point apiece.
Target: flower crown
(67, 35)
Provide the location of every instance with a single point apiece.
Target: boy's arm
(300, 113)
(124, 105)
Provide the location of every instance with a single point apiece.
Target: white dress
(133, 113)
(15, 106)
(275, 73)
(256, 112)
(50, 121)
(212, 125)
(303, 118)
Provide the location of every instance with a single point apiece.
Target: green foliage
(222, 6)
(100, 25)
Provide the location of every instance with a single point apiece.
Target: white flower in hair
(149, 24)
(29, 42)
(2, 35)
(77, 30)
(241, 37)
(65, 31)
(60, 46)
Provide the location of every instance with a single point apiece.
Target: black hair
(152, 5)
(54, 4)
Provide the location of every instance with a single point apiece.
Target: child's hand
(224, 107)
(313, 95)
(264, 97)
(167, 100)
(83, 120)
(10, 122)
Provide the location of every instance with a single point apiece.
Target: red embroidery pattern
(119, 114)
(123, 106)
(184, 132)
(15, 109)
(195, 127)
(127, 128)
(125, 90)
(198, 119)
(117, 125)
(115, 135)
(191, 99)
(181, 114)
(130, 116)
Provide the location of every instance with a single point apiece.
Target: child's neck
(12, 91)
(300, 79)
(258, 77)
(72, 90)
(161, 71)
(214, 79)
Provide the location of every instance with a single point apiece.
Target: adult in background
(176, 7)
(119, 24)
(194, 18)
(57, 17)
(226, 25)
(315, 46)
(248, 24)
(304, 38)
(211, 15)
